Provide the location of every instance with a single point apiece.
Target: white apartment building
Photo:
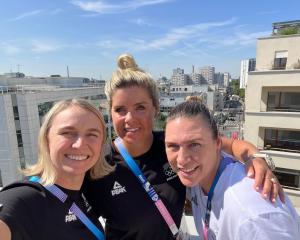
(22, 108)
(247, 66)
(227, 79)
(272, 115)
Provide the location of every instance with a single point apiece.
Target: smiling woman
(50, 205)
(225, 206)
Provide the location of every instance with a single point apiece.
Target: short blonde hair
(129, 74)
(44, 167)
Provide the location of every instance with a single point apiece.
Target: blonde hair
(44, 167)
(129, 74)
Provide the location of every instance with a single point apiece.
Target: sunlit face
(132, 114)
(74, 142)
(192, 151)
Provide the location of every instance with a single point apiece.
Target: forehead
(185, 129)
(76, 116)
(131, 94)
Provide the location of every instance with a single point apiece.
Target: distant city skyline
(42, 38)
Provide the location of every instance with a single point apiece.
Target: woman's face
(192, 151)
(132, 114)
(74, 142)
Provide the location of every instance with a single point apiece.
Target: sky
(43, 37)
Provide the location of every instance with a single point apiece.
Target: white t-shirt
(239, 212)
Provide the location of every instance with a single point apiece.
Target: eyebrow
(138, 103)
(72, 128)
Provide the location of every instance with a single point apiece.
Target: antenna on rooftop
(18, 67)
(68, 71)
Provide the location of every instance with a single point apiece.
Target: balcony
(286, 28)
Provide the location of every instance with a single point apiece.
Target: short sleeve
(268, 227)
(19, 212)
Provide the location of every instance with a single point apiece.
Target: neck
(71, 183)
(207, 183)
(140, 148)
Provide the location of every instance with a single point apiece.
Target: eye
(194, 145)
(120, 110)
(141, 107)
(172, 146)
(67, 133)
(96, 135)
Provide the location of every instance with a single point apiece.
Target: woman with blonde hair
(49, 204)
(143, 198)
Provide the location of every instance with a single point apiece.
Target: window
(43, 108)
(19, 138)
(286, 140)
(288, 179)
(16, 112)
(283, 101)
(280, 60)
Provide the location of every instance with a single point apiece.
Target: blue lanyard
(223, 163)
(74, 208)
(147, 186)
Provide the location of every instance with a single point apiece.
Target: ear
(219, 143)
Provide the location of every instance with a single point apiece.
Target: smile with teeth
(187, 170)
(131, 129)
(77, 157)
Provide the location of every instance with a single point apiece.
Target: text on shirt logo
(117, 189)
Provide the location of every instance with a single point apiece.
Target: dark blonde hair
(44, 167)
(129, 74)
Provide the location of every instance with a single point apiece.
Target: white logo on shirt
(86, 203)
(70, 217)
(117, 189)
(170, 174)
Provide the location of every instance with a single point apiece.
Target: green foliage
(160, 122)
(289, 31)
(235, 84)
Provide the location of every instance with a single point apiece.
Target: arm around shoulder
(5, 233)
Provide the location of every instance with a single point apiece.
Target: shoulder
(239, 195)
(274, 225)
(22, 189)
(21, 203)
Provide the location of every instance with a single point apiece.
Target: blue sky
(44, 36)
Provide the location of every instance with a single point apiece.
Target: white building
(272, 116)
(247, 66)
(22, 108)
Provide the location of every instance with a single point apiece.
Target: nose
(183, 157)
(78, 142)
(129, 116)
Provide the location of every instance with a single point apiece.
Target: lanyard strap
(56, 191)
(223, 163)
(147, 186)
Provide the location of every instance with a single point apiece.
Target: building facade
(272, 114)
(208, 73)
(22, 110)
(247, 66)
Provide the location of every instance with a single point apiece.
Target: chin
(187, 183)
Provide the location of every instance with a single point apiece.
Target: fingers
(269, 186)
(249, 169)
(260, 170)
(275, 190)
(278, 188)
